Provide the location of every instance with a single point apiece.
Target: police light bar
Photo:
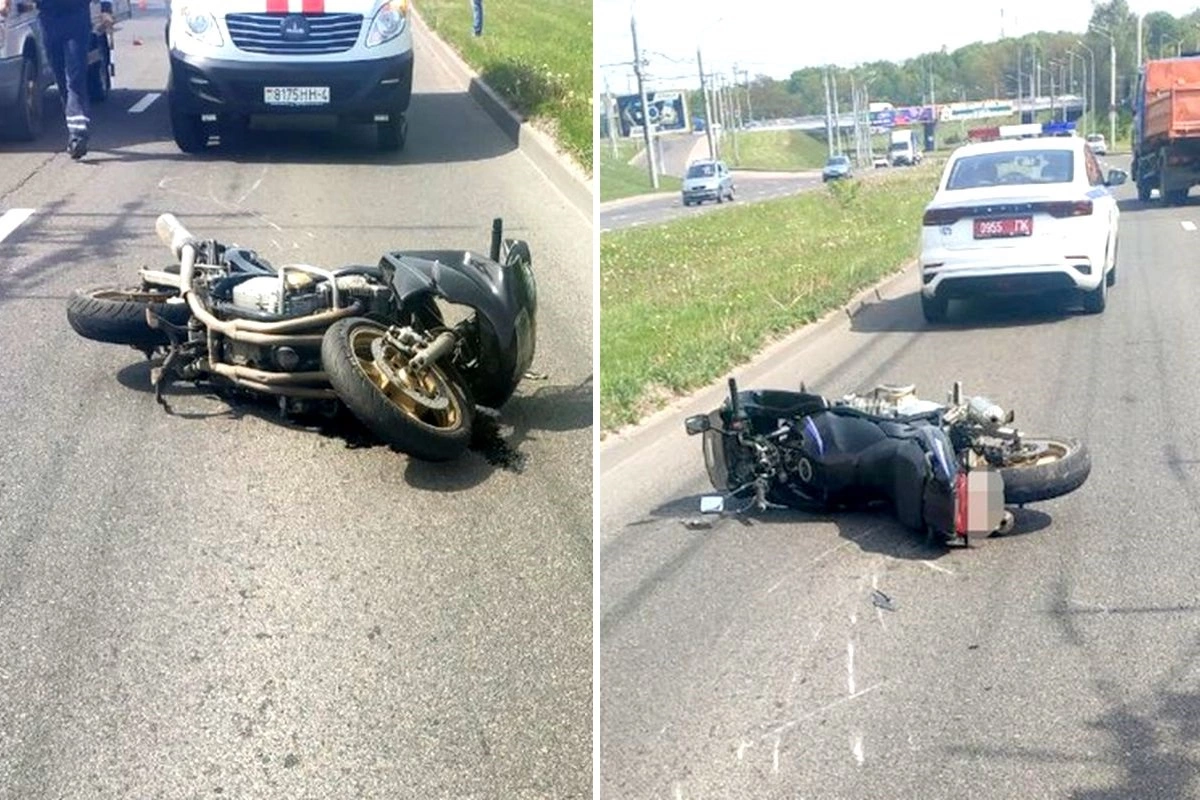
(1058, 128)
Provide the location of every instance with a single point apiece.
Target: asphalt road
(749, 661)
(749, 187)
(213, 603)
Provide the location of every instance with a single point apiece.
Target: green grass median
(537, 55)
(619, 178)
(682, 303)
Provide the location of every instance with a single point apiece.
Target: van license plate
(1003, 228)
(296, 95)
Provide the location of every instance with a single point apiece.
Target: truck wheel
(188, 130)
(392, 135)
(1177, 197)
(26, 122)
(99, 76)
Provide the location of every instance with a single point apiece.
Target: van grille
(263, 33)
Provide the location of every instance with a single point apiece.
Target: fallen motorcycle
(373, 338)
(947, 470)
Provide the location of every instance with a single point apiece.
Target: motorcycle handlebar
(172, 233)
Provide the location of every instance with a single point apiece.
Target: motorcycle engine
(296, 297)
(302, 295)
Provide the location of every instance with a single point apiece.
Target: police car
(1023, 212)
(231, 60)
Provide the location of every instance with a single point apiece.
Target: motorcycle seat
(779, 403)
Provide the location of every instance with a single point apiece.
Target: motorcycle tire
(117, 315)
(1069, 466)
(387, 409)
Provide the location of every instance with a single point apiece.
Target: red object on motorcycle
(961, 494)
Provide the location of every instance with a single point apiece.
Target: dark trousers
(477, 16)
(67, 38)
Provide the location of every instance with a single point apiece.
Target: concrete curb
(541, 149)
(881, 290)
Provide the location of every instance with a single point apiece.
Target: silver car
(707, 180)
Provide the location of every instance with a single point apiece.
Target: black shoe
(78, 146)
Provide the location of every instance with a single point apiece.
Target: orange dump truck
(1166, 129)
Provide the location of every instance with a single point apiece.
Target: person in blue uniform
(66, 35)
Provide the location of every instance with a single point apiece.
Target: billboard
(668, 112)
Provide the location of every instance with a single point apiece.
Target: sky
(776, 37)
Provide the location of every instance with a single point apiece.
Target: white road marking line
(787, 725)
(1188, 225)
(742, 748)
(934, 566)
(144, 103)
(775, 757)
(13, 219)
(850, 666)
(857, 748)
(678, 792)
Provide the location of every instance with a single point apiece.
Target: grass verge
(537, 55)
(775, 150)
(681, 303)
(619, 178)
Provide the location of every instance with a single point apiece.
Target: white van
(232, 60)
(25, 72)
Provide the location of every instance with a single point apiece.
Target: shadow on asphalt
(1130, 204)
(903, 314)
(873, 530)
(495, 443)
(441, 129)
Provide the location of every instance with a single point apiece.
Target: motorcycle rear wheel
(1047, 467)
(117, 315)
(428, 416)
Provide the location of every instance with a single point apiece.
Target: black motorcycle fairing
(852, 460)
(778, 404)
(504, 297)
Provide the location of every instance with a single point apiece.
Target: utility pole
(651, 156)
(612, 123)
(1112, 92)
(708, 117)
(828, 117)
(837, 119)
(1139, 42)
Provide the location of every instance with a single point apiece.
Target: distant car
(1097, 144)
(837, 167)
(880, 161)
(1020, 217)
(707, 180)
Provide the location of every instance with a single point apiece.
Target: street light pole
(637, 68)
(1091, 96)
(708, 119)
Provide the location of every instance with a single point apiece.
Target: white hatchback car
(1020, 217)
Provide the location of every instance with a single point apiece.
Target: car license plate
(296, 95)
(1003, 228)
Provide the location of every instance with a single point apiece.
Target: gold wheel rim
(1039, 453)
(431, 383)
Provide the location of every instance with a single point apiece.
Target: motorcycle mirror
(712, 504)
(697, 424)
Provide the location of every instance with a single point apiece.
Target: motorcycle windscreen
(714, 459)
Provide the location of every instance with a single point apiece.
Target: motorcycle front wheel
(428, 416)
(117, 315)
(1044, 468)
